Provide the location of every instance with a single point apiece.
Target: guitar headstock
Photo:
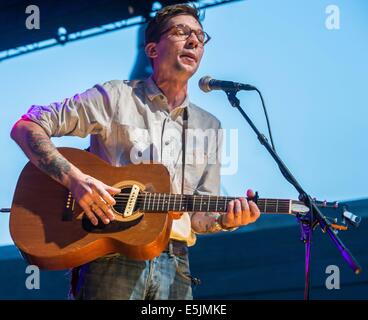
(300, 207)
(332, 211)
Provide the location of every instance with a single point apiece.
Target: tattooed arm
(204, 222)
(37, 146)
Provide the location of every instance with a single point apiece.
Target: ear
(150, 50)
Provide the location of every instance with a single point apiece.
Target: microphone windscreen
(203, 83)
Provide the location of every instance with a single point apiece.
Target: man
(138, 116)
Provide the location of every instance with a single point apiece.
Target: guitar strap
(194, 280)
(183, 146)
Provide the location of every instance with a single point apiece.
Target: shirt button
(167, 142)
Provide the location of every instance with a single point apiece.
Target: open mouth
(188, 57)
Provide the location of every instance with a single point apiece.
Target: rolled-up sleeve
(90, 112)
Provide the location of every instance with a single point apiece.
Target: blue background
(314, 82)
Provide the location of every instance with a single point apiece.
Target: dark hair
(158, 23)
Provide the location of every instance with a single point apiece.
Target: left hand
(240, 212)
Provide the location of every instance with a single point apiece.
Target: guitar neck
(159, 202)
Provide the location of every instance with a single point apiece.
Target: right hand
(94, 197)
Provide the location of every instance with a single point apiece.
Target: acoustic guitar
(52, 231)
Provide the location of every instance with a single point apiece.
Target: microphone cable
(267, 119)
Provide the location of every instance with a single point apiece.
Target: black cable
(267, 120)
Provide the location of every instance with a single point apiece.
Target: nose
(193, 41)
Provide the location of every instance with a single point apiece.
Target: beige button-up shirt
(129, 122)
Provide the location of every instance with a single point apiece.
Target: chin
(190, 69)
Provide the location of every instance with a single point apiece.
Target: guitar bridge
(131, 201)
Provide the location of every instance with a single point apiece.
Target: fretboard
(161, 202)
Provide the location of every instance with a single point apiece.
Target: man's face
(175, 54)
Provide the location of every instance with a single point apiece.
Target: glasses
(183, 32)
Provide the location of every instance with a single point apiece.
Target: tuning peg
(250, 193)
(252, 196)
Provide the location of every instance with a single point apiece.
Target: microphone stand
(309, 221)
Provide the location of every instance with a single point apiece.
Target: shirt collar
(153, 91)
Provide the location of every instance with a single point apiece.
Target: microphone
(208, 84)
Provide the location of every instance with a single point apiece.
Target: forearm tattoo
(49, 160)
(204, 222)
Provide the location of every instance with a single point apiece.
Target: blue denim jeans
(120, 278)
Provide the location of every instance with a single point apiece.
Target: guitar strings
(194, 199)
(160, 202)
(161, 199)
(224, 198)
(165, 197)
(171, 197)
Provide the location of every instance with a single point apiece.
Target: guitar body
(54, 234)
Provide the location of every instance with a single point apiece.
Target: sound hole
(115, 225)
